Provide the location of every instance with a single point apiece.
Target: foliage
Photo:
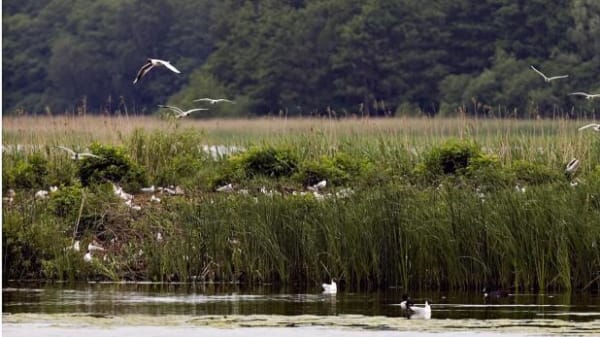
(31, 173)
(267, 161)
(351, 57)
(533, 173)
(112, 166)
(450, 158)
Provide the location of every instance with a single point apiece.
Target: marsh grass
(464, 229)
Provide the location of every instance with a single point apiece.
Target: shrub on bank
(114, 166)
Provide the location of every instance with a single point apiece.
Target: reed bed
(383, 220)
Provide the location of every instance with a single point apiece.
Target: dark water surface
(221, 305)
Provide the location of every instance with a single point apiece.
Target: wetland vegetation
(415, 203)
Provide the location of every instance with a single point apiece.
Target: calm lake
(146, 309)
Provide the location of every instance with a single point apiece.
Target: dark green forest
(303, 57)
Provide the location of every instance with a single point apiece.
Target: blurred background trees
(303, 57)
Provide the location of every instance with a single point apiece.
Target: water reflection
(200, 299)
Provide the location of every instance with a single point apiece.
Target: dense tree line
(304, 57)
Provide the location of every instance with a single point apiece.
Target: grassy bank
(417, 203)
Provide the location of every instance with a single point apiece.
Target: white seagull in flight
(78, 155)
(585, 94)
(546, 78)
(179, 112)
(594, 126)
(214, 100)
(151, 63)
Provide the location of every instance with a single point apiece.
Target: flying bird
(546, 78)
(214, 100)
(331, 288)
(151, 63)
(594, 126)
(179, 112)
(78, 155)
(584, 94)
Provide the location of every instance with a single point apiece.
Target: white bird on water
(594, 126)
(214, 100)
(546, 78)
(421, 312)
(78, 155)
(330, 288)
(151, 63)
(584, 94)
(179, 112)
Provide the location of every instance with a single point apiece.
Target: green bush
(533, 173)
(31, 173)
(338, 170)
(450, 158)
(113, 166)
(267, 161)
(66, 201)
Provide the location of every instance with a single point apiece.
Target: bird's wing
(588, 126)
(87, 154)
(67, 149)
(203, 100)
(223, 100)
(539, 72)
(143, 71)
(169, 66)
(579, 93)
(557, 77)
(198, 109)
(173, 108)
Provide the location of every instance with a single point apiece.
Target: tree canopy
(303, 57)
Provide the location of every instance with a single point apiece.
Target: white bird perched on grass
(87, 257)
(154, 199)
(150, 189)
(179, 112)
(214, 100)
(122, 194)
(594, 126)
(546, 78)
(78, 155)
(225, 188)
(95, 247)
(151, 63)
(76, 246)
(584, 94)
(330, 288)
(572, 167)
(318, 186)
(41, 194)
